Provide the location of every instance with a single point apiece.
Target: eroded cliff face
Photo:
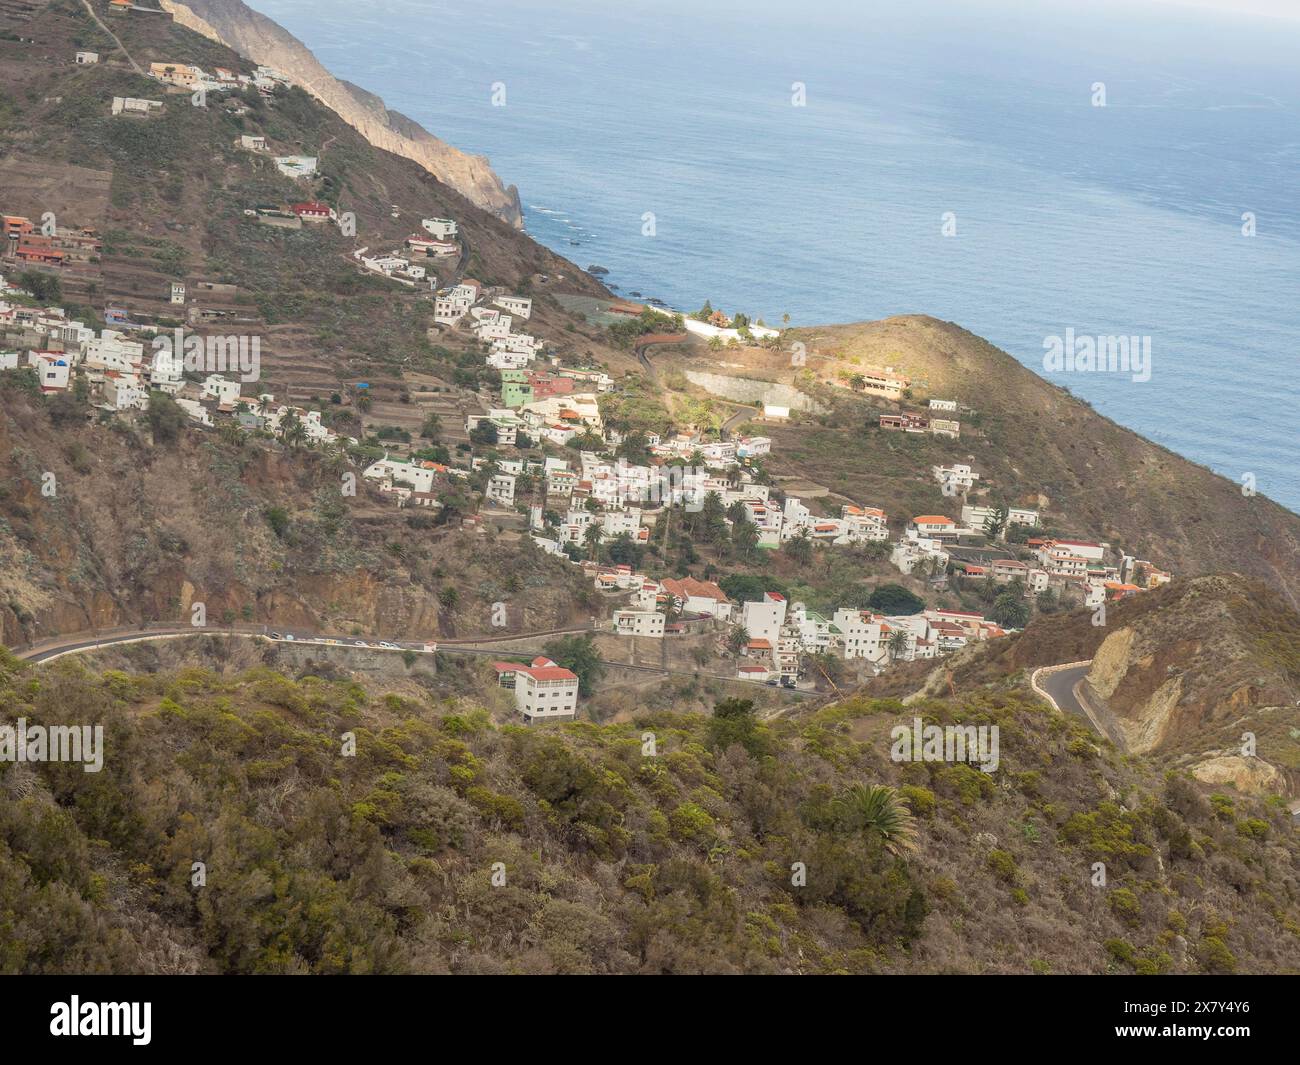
(258, 39)
(1207, 684)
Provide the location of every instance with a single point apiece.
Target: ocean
(947, 158)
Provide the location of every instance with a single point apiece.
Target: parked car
(388, 646)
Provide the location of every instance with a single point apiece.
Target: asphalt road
(312, 640)
(83, 642)
(1060, 686)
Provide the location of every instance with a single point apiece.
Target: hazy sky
(1277, 8)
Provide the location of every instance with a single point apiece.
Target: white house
(501, 489)
(195, 410)
(386, 470)
(123, 392)
(861, 633)
(864, 524)
(763, 619)
(218, 388)
(441, 228)
(1087, 549)
(52, 367)
(976, 516)
(699, 597)
(417, 242)
(638, 623)
(129, 105)
(543, 690)
(932, 525)
(296, 166)
(167, 372)
(517, 305)
(912, 551)
(956, 478)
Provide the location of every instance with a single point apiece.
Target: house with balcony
(639, 623)
(543, 690)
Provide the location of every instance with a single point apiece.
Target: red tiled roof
(550, 673)
(688, 587)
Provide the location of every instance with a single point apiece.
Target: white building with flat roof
(639, 623)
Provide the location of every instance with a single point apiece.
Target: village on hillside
(542, 455)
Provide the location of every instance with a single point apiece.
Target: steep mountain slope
(258, 38)
(1032, 443)
(447, 844)
(141, 528)
(170, 194)
(1202, 674)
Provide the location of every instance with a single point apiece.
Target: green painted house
(515, 389)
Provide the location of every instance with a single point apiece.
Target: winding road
(1062, 686)
(76, 643)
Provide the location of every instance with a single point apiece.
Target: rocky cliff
(1209, 680)
(260, 40)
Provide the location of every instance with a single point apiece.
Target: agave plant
(878, 810)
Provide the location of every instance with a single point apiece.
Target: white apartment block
(501, 489)
(763, 619)
(861, 633)
(543, 690)
(639, 623)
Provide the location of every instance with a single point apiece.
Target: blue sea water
(1122, 219)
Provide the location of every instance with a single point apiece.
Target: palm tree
(592, 535)
(292, 431)
(878, 811)
(897, 643)
(737, 639)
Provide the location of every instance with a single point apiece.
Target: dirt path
(121, 47)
